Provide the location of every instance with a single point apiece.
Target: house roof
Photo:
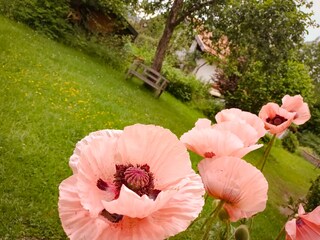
(219, 49)
(89, 11)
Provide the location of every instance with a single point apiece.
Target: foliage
(209, 106)
(290, 142)
(50, 17)
(263, 37)
(311, 140)
(313, 196)
(310, 56)
(313, 125)
(176, 12)
(118, 7)
(113, 49)
(180, 86)
(152, 27)
(144, 48)
(47, 16)
(254, 87)
(266, 31)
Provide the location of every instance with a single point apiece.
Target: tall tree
(271, 19)
(177, 12)
(310, 56)
(264, 37)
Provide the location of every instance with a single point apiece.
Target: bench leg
(128, 75)
(158, 93)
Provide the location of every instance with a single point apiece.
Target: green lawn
(51, 96)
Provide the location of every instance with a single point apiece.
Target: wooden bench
(149, 76)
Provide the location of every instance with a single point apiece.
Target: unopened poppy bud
(223, 215)
(215, 203)
(242, 233)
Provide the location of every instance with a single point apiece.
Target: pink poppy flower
(235, 114)
(276, 119)
(132, 184)
(248, 135)
(305, 227)
(212, 141)
(241, 186)
(296, 105)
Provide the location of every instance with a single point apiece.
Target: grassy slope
(50, 97)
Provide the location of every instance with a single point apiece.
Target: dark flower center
(299, 222)
(277, 120)
(102, 185)
(115, 218)
(138, 178)
(209, 154)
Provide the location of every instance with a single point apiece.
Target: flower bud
(223, 215)
(242, 233)
(215, 203)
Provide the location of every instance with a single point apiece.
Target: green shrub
(251, 89)
(50, 17)
(181, 90)
(267, 138)
(111, 49)
(290, 142)
(313, 196)
(209, 106)
(45, 15)
(311, 140)
(180, 85)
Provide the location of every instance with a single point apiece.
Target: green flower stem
(267, 152)
(211, 220)
(280, 233)
(206, 196)
(228, 229)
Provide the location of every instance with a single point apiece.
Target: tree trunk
(167, 34)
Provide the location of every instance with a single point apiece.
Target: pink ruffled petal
(203, 123)
(76, 221)
(244, 131)
(237, 115)
(135, 229)
(173, 217)
(183, 207)
(313, 216)
(132, 205)
(291, 230)
(74, 159)
(296, 105)
(302, 114)
(237, 182)
(217, 142)
(292, 103)
(301, 210)
(244, 151)
(96, 162)
(307, 231)
(255, 122)
(231, 114)
(167, 157)
(269, 111)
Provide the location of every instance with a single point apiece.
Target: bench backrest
(154, 76)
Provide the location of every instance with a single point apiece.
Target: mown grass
(51, 96)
